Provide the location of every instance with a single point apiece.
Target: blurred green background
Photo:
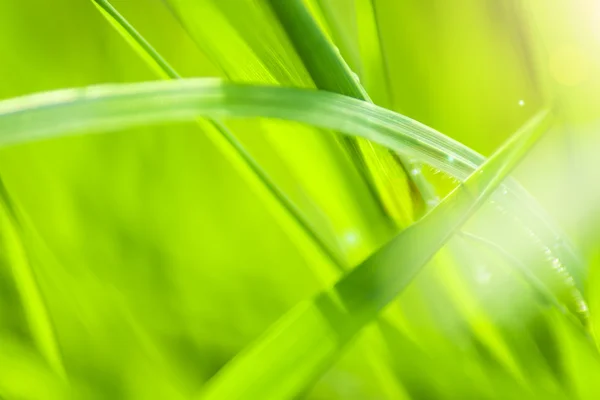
(159, 260)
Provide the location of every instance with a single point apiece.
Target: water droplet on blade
(351, 238)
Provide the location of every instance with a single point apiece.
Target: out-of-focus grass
(136, 264)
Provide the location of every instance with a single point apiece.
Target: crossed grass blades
(299, 348)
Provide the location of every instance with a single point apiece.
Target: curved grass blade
(198, 18)
(304, 343)
(107, 107)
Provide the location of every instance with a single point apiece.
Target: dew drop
(433, 202)
(351, 238)
(521, 103)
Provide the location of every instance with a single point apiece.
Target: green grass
(270, 220)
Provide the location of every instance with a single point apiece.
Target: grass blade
(304, 343)
(340, 19)
(109, 107)
(145, 50)
(375, 74)
(19, 257)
